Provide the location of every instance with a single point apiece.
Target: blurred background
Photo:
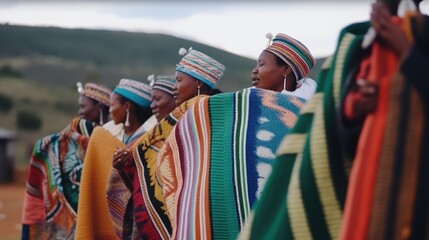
(47, 47)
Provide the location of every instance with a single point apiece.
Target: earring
(101, 117)
(127, 120)
(198, 91)
(284, 83)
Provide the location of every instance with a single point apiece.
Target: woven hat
(293, 52)
(135, 91)
(200, 66)
(162, 82)
(94, 91)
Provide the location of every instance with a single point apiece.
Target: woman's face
(268, 74)
(186, 88)
(117, 110)
(88, 109)
(162, 103)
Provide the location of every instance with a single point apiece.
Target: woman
(92, 106)
(306, 197)
(130, 112)
(196, 74)
(283, 67)
(387, 194)
(213, 166)
(162, 95)
(53, 184)
(130, 105)
(305, 192)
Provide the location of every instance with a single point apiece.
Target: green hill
(61, 57)
(39, 68)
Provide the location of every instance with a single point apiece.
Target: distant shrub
(91, 76)
(26, 100)
(6, 103)
(66, 107)
(9, 71)
(28, 121)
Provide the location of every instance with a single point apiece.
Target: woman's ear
(287, 70)
(199, 84)
(127, 105)
(100, 106)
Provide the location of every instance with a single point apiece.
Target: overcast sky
(238, 27)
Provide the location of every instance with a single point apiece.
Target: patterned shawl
(388, 196)
(51, 197)
(150, 212)
(119, 199)
(214, 164)
(304, 195)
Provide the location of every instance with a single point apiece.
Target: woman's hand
(387, 31)
(367, 101)
(121, 158)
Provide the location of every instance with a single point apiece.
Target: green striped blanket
(215, 162)
(305, 194)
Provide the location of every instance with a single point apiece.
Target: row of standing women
(256, 163)
(136, 190)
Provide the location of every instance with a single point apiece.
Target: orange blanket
(378, 67)
(93, 220)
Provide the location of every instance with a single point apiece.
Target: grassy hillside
(39, 68)
(62, 57)
(55, 106)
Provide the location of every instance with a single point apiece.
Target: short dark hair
(280, 61)
(142, 113)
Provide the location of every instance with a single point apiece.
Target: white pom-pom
(270, 37)
(182, 51)
(368, 38)
(406, 6)
(79, 87)
(151, 77)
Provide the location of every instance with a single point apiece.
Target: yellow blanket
(93, 220)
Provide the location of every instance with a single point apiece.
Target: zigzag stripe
(199, 71)
(206, 61)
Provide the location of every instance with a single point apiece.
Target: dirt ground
(11, 200)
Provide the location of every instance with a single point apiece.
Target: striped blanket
(150, 212)
(213, 166)
(387, 196)
(378, 67)
(119, 198)
(305, 194)
(51, 196)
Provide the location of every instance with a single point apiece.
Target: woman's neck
(132, 128)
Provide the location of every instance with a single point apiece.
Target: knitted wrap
(214, 164)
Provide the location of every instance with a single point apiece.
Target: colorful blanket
(93, 219)
(51, 197)
(388, 197)
(305, 194)
(213, 166)
(119, 199)
(378, 67)
(150, 213)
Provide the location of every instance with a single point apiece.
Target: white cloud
(236, 27)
